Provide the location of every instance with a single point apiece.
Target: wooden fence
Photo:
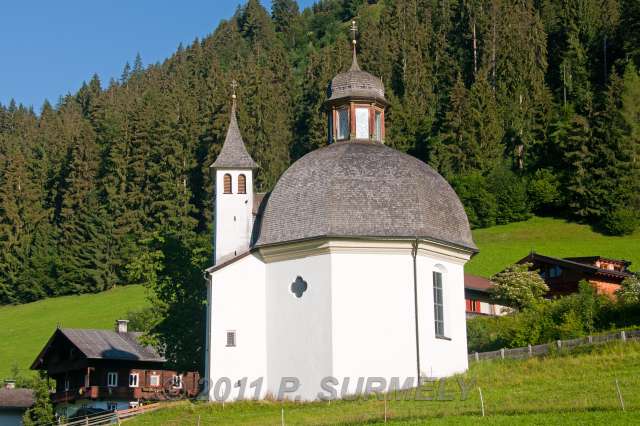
(557, 346)
(115, 417)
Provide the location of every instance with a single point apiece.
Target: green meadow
(503, 245)
(25, 329)
(577, 388)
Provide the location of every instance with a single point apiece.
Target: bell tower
(356, 103)
(234, 169)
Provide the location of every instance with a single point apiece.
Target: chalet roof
(104, 344)
(16, 398)
(474, 282)
(234, 153)
(571, 263)
(593, 259)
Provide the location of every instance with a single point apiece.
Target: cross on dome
(234, 85)
(354, 31)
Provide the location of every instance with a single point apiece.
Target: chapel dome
(356, 83)
(363, 189)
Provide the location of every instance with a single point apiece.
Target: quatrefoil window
(298, 287)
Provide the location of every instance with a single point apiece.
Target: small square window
(112, 379)
(176, 382)
(231, 338)
(133, 380)
(154, 380)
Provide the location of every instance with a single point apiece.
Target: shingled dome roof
(363, 189)
(356, 83)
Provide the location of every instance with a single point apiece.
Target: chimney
(9, 384)
(122, 325)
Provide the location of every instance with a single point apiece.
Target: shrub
(518, 287)
(510, 193)
(629, 291)
(479, 204)
(543, 191)
(621, 221)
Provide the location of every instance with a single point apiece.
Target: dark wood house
(562, 275)
(108, 370)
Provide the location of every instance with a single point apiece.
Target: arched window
(242, 184)
(227, 183)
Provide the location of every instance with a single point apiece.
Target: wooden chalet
(562, 275)
(108, 370)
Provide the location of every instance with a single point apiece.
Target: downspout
(207, 354)
(414, 254)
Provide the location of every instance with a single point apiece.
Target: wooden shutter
(242, 184)
(227, 183)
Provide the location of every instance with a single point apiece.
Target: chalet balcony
(116, 393)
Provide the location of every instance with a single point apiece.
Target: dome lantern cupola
(356, 103)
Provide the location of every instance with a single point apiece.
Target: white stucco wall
(355, 319)
(440, 357)
(238, 303)
(233, 215)
(299, 329)
(373, 315)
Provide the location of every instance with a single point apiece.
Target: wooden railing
(557, 346)
(115, 417)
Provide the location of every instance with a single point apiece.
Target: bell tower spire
(234, 169)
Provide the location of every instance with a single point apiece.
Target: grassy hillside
(569, 389)
(505, 244)
(24, 329)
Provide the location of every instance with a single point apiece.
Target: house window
(378, 126)
(473, 305)
(227, 183)
(154, 380)
(133, 380)
(343, 124)
(112, 406)
(555, 271)
(231, 338)
(112, 379)
(176, 382)
(242, 184)
(66, 384)
(438, 304)
(362, 123)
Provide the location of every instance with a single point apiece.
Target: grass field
(24, 329)
(562, 389)
(502, 245)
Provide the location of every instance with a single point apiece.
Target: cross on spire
(234, 85)
(354, 30)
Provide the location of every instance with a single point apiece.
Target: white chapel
(352, 267)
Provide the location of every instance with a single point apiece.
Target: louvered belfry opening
(227, 183)
(242, 184)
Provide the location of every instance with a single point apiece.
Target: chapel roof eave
(356, 96)
(425, 239)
